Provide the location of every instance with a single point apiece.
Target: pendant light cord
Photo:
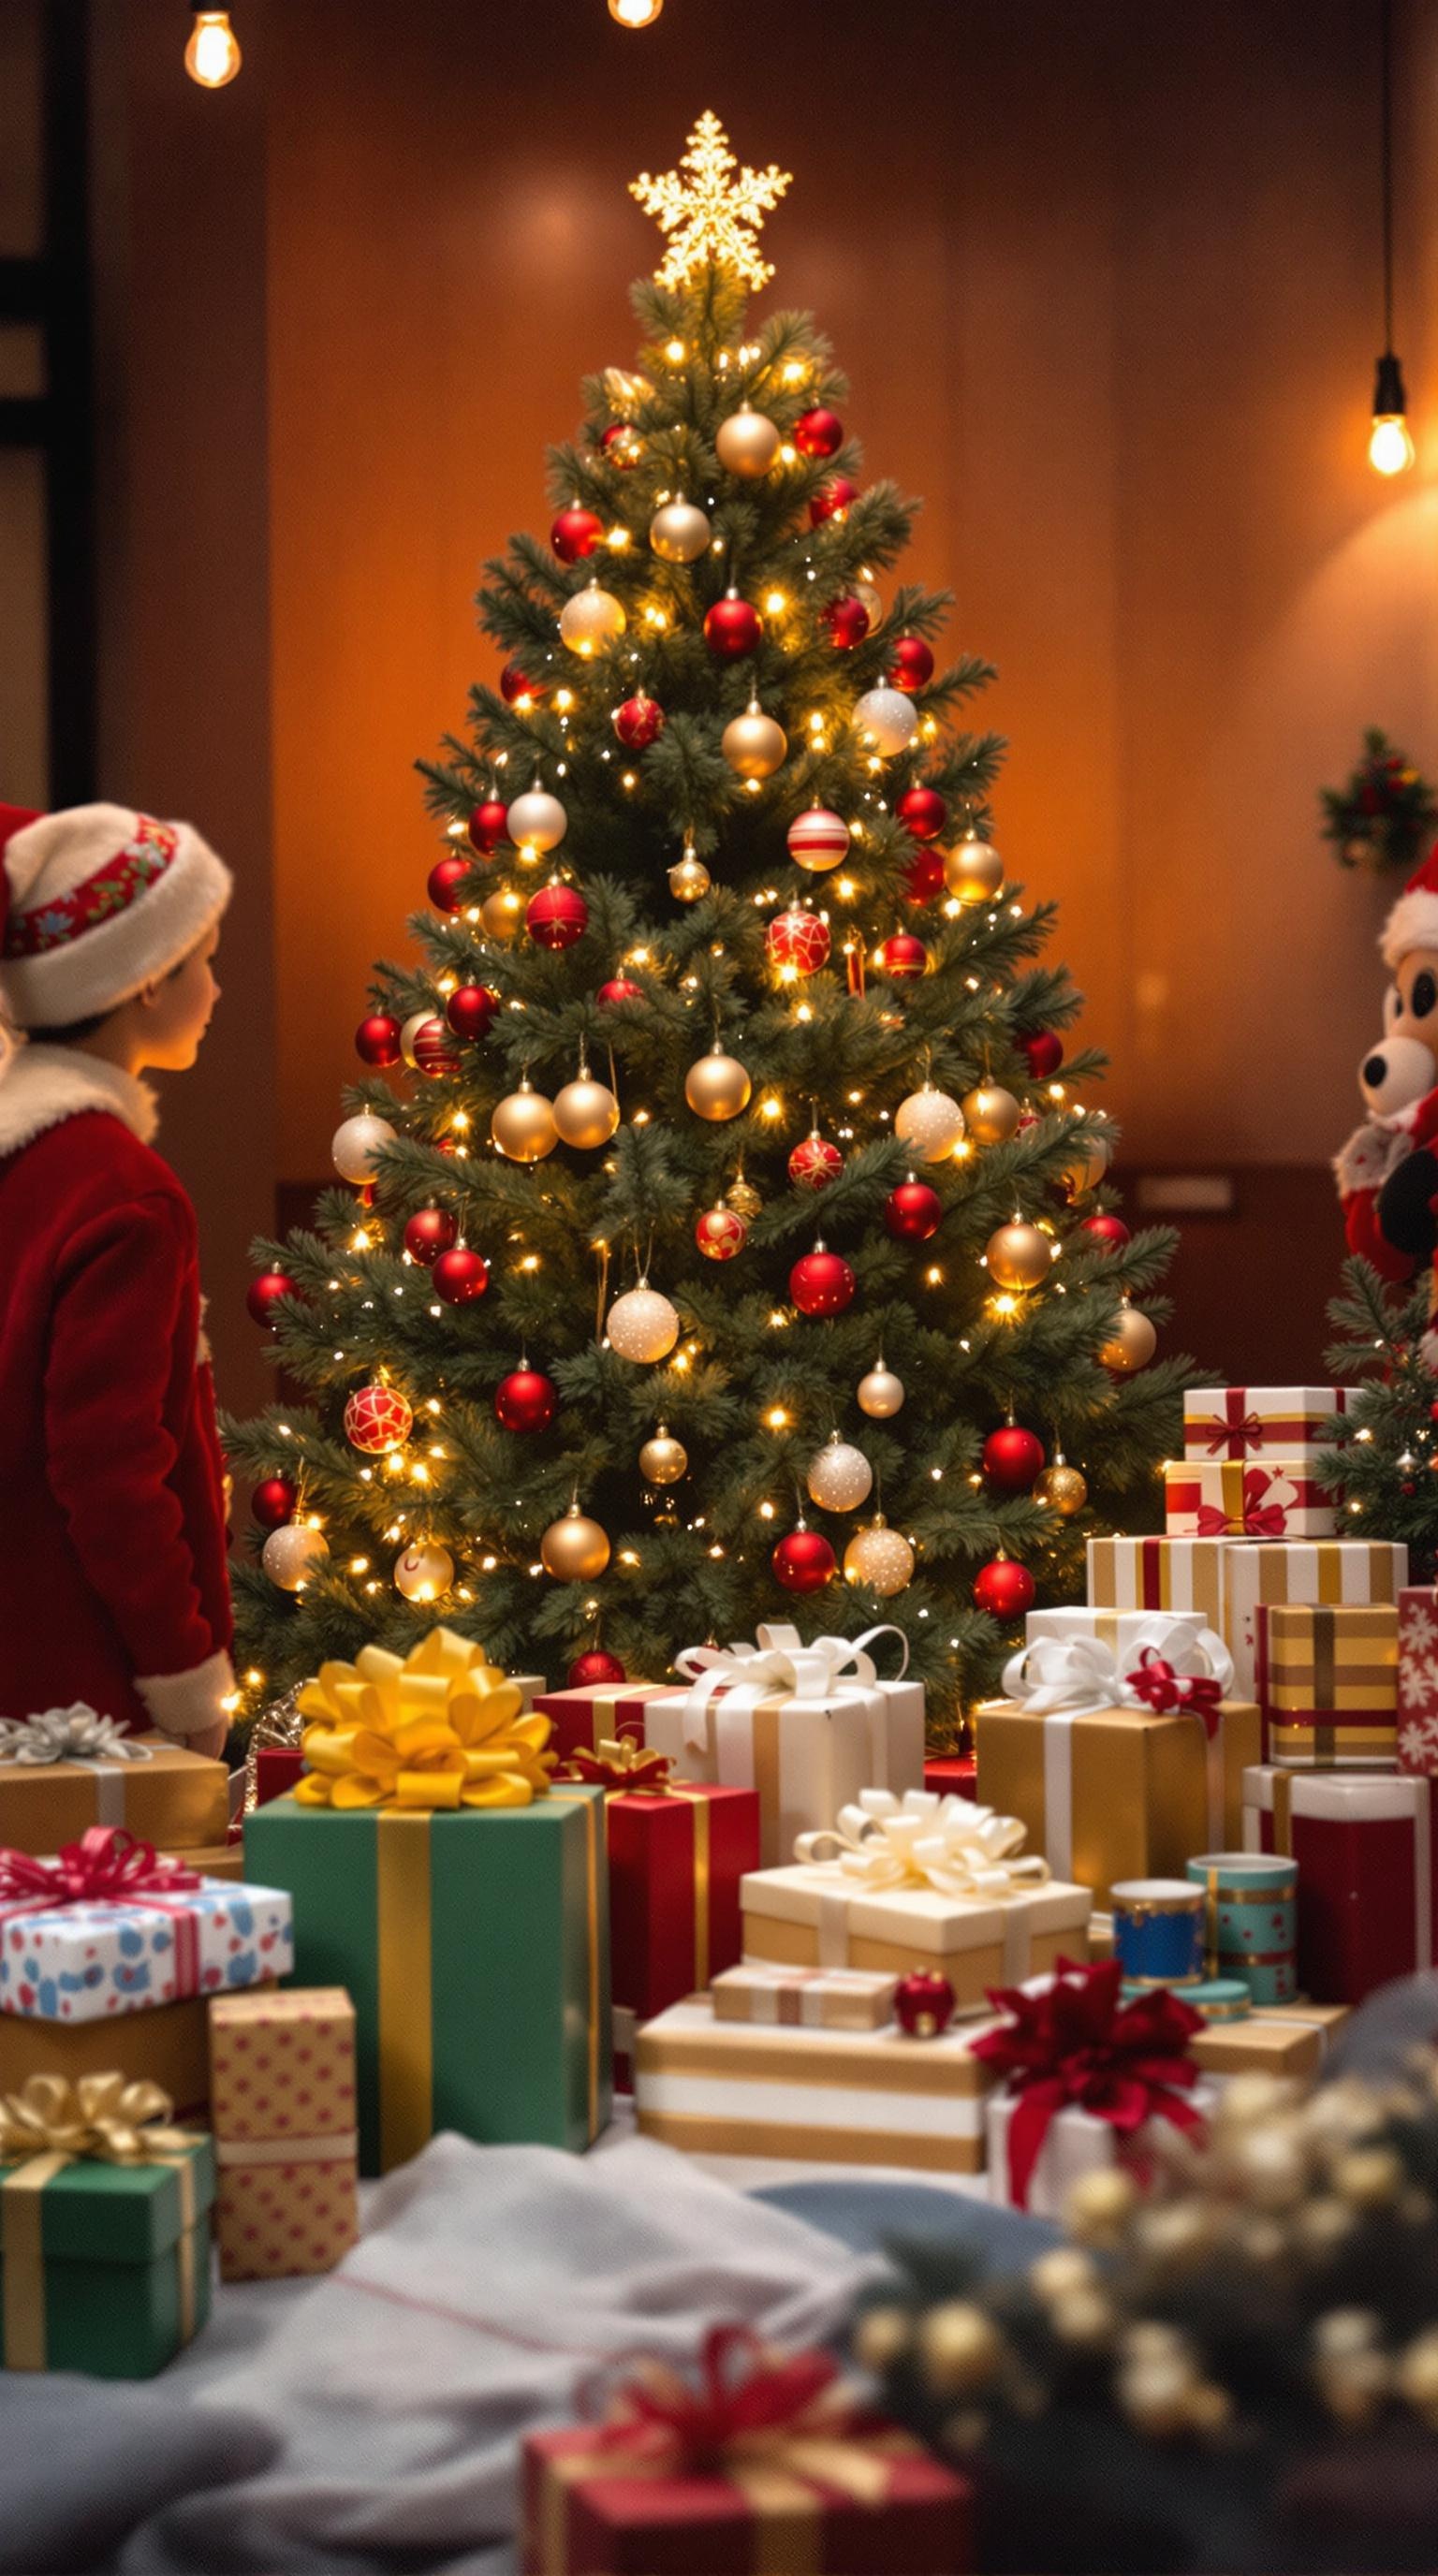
(1385, 39)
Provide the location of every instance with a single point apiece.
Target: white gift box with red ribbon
(1237, 1498)
(1260, 1421)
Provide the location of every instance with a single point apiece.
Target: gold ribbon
(51, 2123)
(440, 1728)
(922, 1840)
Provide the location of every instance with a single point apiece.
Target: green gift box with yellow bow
(104, 2227)
(459, 1894)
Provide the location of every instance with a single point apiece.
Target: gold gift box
(1158, 1574)
(1323, 1665)
(1285, 2039)
(169, 2047)
(810, 1916)
(1117, 1792)
(804, 1998)
(715, 2087)
(176, 1800)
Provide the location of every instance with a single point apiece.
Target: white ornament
(409, 1033)
(423, 1573)
(888, 718)
(354, 1145)
(642, 1325)
(818, 839)
(931, 1122)
(290, 1555)
(536, 820)
(590, 620)
(880, 1393)
(880, 1558)
(840, 1477)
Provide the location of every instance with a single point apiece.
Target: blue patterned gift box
(94, 1961)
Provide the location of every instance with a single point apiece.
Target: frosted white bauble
(423, 1573)
(880, 1558)
(642, 1325)
(931, 1122)
(840, 1478)
(355, 1144)
(679, 532)
(590, 620)
(880, 1394)
(536, 820)
(290, 1555)
(888, 718)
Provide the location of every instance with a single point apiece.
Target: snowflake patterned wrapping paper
(1418, 1680)
(97, 1962)
(282, 2105)
(1330, 1685)
(1260, 1421)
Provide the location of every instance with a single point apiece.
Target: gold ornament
(1062, 1488)
(1083, 2318)
(973, 870)
(959, 2347)
(718, 1086)
(689, 879)
(753, 744)
(1057, 2275)
(1018, 1255)
(355, 1145)
(663, 1460)
(990, 1113)
(291, 1554)
(1132, 1344)
(1417, 2375)
(501, 913)
(586, 1112)
(624, 391)
(746, 444)
(1087, 1165)
(745, 1201)
(880, 1558)
(709, 216)
(591, 621)
(1100, 2205)
(1368, 2177)
(867, 594)
(931, 1122)
(522, 1125)
(840, 1477)
(422, 1573)
(575, 1549)
(881, 2337)
(679, 532)
(881, 1394)
(642, 1325)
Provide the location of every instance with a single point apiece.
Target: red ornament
(1012, 1459)
(263, 1295)
(428, 1233)
(447, 884)
(470, 1011)
(719, 1233)
(515, 685)
(832, 500)
(460, 1276)
(1108, 1232)
(821, 1283)
(902, 956)
(273, 1501)
(845, 622)
(924, 876)
(732, 628)
(639, 722)
(814, 1162)
(377, 1039)
(433, 1049)
(622, 444)
(799, 939)
(1044, 1050)
(575, 533)
(377, 1417)
(1004, 1589)
(592, 1670)
(922, 811)
(913, 1212)
(487, 826)
(923, 2003)
(557, 916)
(913, 664)
(819, 432)
(620, 988)
(526, 1400)
(803, 1562)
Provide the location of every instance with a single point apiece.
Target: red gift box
(277, 1768)
(952, 1775)
(581, 1718)
(675, 1862)
(1364, 1848)
(1418, 1679)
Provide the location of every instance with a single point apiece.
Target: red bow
(1168, 1692)
(107, 1866)
(745, 2391)
(1123, 2063)
(1258, 1519)
(645, 1771)
(1233, 1428)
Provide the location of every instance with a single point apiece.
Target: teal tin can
(1158, 1930)
(1250, 1920)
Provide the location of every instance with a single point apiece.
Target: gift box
(1330, 1572)
(1125, 1633)
(861, 2097)
(1085, 2078)
(952, 1775)
(1234, 1498)
(1418, 1679)
(1330, 1685)
(1250, 1922)
(165, 1794)
(1291, 2040)
(278, 1767)
(166, 1933)
(1077, 2143)
(1363, 1843)
(104, 2265)
(1158, 1574)
(216, 1860)
(282, 2096)
(1260, 1421)
(804, 1998)
(168, 2047)
(809, 1727)
(582, 1719)
(676, 1858)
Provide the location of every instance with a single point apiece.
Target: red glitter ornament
(620, 988)
(832, 500)
(592, 1670)
(845, 622)
(487, 826)
(922, 811)
(434, 1051)
(732, 628)
(814, 1162)
(924, 875)
(923, 2003)
(526, 1400)
(273, 1501)
(913, 664)
(557, 916)
(901, 956)
(448, 882)
(575, 533)
(799, 939)
(377, 1417)
(821, 1283)
(622, 444)
(1044, 1051)
(913, 1212)
(719, 1233)
(819, 432)
(428, 1233)
(460, 1276)
(639, 722)
(263, 1295)
(470, 1011)
(804, 1561)
(1108, 1232)
(516, 685)
(1012, 1459)
(1004, 1589)
(377, 1039)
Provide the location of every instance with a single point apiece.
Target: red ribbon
(1233, 1427)
(107, 1866)
(1076, 2044)
(743, 2389)
(1169, 1693)
(1258, 1519)
(650, 1771)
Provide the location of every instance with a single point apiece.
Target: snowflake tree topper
(708, 215)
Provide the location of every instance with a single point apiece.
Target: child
(113, 1587)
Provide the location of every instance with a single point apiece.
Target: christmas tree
(1384, 1459)
(735, 1220)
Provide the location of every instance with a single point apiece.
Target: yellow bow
(440, 1728)
(101, 2117)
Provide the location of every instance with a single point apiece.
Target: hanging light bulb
(1390, 441)
(635, 13)
(1390, 444)
(212, 56)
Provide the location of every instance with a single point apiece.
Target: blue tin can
(1158, 1931)
(1250, 1920)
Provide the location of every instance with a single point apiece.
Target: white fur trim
(107, 964)
(41, 1086)
(1412, 923)
(1365, 1162)
(190, 1703)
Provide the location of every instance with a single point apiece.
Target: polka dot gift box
(111, 1928)
(282, 2105)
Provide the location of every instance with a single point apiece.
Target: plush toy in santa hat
(113, 1583)
(1388, 1170)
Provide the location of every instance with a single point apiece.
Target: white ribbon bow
(923, 1840)
(1076, 1676)
(74, 1734)
(780, 1661)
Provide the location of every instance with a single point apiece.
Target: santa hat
(95, 903)
(1413, 921)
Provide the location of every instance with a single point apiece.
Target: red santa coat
(1372, 1152)
(113, 1582)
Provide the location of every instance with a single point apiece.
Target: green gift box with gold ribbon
(459, 1895)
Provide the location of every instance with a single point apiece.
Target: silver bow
(923, 1840)
(74, 1734)
(1077, 1676)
